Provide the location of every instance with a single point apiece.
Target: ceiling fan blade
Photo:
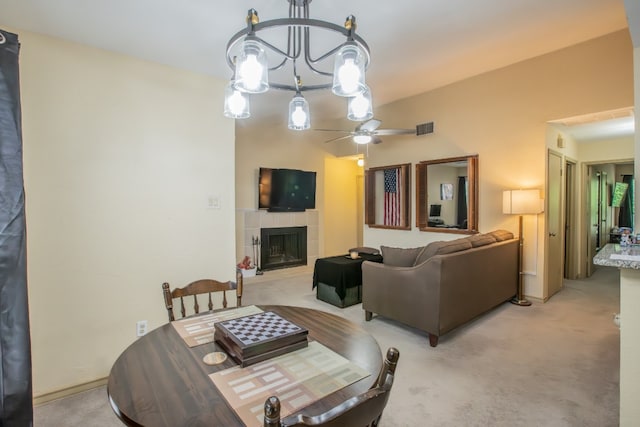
(333, 130)
(376, 140)
(369, 125)
(338, 138)
(395, 132)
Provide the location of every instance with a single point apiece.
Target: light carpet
(551, 364)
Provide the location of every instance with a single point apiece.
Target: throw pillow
(400, 257)
(430, 250)
(443, 248)
(481, 240)
(502, 235)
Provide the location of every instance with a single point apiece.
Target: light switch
(213, 202)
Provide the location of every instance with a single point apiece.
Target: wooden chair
(203, 286)
(362, 410)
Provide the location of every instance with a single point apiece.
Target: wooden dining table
(160, 381)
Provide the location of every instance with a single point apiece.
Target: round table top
(160, 381)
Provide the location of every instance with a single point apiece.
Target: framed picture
(446, 191)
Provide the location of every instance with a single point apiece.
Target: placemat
(298, 379)
(199, 330)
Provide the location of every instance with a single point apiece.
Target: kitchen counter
(614, 255)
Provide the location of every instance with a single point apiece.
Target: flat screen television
(619, 193)
(286, 190)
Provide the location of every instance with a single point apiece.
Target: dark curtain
(15, 344)
(625, 215)
(462, 202)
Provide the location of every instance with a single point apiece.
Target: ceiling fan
(368, 132)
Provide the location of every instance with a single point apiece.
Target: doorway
(607, 215)
(604, 140)
(562, 221)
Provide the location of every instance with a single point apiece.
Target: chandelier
(248, 53)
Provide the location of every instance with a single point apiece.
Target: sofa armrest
(410, 295)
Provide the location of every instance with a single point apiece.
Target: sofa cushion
(501, 235)
(452, 246)
(481, 240)
(400, 257)
(443, 248)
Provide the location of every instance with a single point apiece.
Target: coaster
(214, 358)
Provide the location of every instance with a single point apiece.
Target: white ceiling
(416, 45)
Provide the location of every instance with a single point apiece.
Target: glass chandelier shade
(252, 70)
(299, 117)
(359, 107)
(236, 103)
(349, 71)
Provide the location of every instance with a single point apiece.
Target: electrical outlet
(141, 328)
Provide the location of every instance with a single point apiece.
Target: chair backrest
(200, 287)
(362, 410)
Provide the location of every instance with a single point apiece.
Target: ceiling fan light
(299, 117)
(362, 139)
(349, 71)
(252, 68)
(360, 107)
(236, 103)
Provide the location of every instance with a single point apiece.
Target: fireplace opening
(283, 247)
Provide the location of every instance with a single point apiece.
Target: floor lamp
(521, 202)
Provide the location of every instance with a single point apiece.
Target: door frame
(571, 220)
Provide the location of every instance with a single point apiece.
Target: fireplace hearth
(283, 247)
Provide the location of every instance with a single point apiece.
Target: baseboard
(69, 391)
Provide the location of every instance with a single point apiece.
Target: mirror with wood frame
(387, 197)
(447, 195)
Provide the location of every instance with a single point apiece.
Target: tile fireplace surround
(249, 223)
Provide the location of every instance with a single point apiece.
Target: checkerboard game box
(257, 337)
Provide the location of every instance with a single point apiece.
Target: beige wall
(340, 201)
(120, 158)
(609, 150)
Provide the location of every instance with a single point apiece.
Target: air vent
(424, 128)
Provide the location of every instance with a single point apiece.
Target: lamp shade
(236, 103)
(299, 117)
(360, 107)
(348, 71)
(252, 68)
(520, 202)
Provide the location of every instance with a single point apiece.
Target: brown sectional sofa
(443, 285)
